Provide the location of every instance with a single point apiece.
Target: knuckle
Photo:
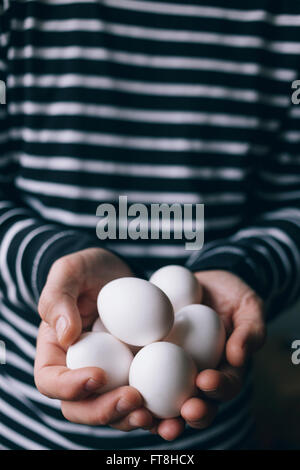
(251, 301)
(66, 412)
(68, 265)
(69, 394)
(45, 307)
(58, 266)
(131, 394)
(68, 391)
(103, 418)
(39, 383)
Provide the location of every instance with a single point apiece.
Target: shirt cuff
(243, 261)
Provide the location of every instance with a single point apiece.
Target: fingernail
(61, 326)
(133, 421)
(92, 386)
(125, 405)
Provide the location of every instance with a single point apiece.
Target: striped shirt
(164, 102)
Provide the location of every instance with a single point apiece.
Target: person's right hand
(67, 306)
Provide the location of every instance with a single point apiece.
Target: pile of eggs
(153, 335)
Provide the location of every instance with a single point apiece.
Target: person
(163, 102)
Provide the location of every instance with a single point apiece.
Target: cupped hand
(68, 305)
(242, 312)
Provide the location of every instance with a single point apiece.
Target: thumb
(58, 305)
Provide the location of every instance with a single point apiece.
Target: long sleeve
(28, 245)
(265, 252)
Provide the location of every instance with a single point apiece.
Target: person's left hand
(242, 312)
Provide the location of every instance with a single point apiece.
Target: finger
(87, 306)
(170, 429)
(140, 418)
(58, 301)
(105, 409)
(65, 384)
(198, 413)
(54, 379)
(248, 334)
(245, 340)
(221, 385)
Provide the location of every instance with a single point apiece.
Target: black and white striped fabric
(161, 101)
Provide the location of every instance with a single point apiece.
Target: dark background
(277, 385)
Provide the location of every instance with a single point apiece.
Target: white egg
(135, 311)
(200, 331)
(179, 284)
(104, 351)
(99, 327)
(164, 374)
